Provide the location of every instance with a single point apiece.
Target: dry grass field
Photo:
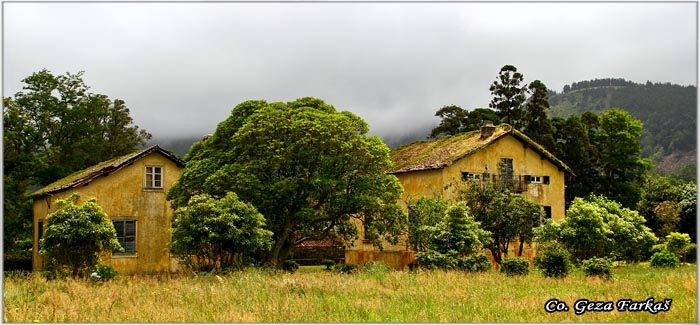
(316, 295)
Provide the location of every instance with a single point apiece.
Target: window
(154, 177)
(545, 179)
(534, 179)
(467, 175)
(548, 212)
(506, 168)
(41, 229)
(126, 234)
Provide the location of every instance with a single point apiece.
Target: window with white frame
(126, 235)
(154, 177)
(535, 179)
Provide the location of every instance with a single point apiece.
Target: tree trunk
(273, 259)
(520, 248)
(496, 254)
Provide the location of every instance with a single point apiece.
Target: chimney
(487, 129)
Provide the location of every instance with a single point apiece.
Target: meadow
(374, 295)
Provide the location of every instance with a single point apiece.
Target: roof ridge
(106, 167)
(444, 151)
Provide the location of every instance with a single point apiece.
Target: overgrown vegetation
(598, 227)
(598, 266)
(554, 261)
(75, 237)
(52, 128)
(664, 258)
(309, 169)
(313, 295)
(513, 266)
(217, 234)
(445, 235)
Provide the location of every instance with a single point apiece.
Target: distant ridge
(668, 112)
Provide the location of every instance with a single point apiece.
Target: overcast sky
(182, 67)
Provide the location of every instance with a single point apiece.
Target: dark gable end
(85, 176)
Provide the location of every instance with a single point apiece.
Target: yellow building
(131, 190)
(499, 154)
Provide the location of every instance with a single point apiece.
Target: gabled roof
(443, 152)
(85, 176)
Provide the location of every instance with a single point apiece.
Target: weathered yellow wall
(445, 182)
(525, 162)
(122, 195)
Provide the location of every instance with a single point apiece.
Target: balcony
(514, 183)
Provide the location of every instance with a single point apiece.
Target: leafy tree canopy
(309, 169)
(509, 96)
(52, 128)
(507, 215)
(599, 227)
(456, 120)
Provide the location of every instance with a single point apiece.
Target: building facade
(131, 189)
(440, 168)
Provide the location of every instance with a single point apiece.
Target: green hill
(669, 114)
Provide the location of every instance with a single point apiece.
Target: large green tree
(309, 169)
(599, 227)
(509, 217)
(508, 96)
(455, 120)
(536, 124)
(574, 147)
(668, 206)
(72, 128)
(423, 214)
(54, 127)
(621, 164)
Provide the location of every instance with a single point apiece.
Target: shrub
(213, 234)
(433, 259)
(475, 263)
(328, 263)
(347, 268)
(290, 266)
(554, 261)
(515, 266)
(377, 268)
(597, 226)
(75, 236)
(680, 245)
(657, 248)
(104, 272)
(598, 266)
(664, 258)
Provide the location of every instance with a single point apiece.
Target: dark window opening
(126, 235)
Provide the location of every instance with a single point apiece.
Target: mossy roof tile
(444, 151)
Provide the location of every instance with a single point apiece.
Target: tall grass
(314, 295)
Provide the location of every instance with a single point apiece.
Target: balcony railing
(514, 183)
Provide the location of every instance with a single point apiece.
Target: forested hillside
(669, 114)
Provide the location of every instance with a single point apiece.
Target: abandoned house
(499, 154)
(131, 190)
